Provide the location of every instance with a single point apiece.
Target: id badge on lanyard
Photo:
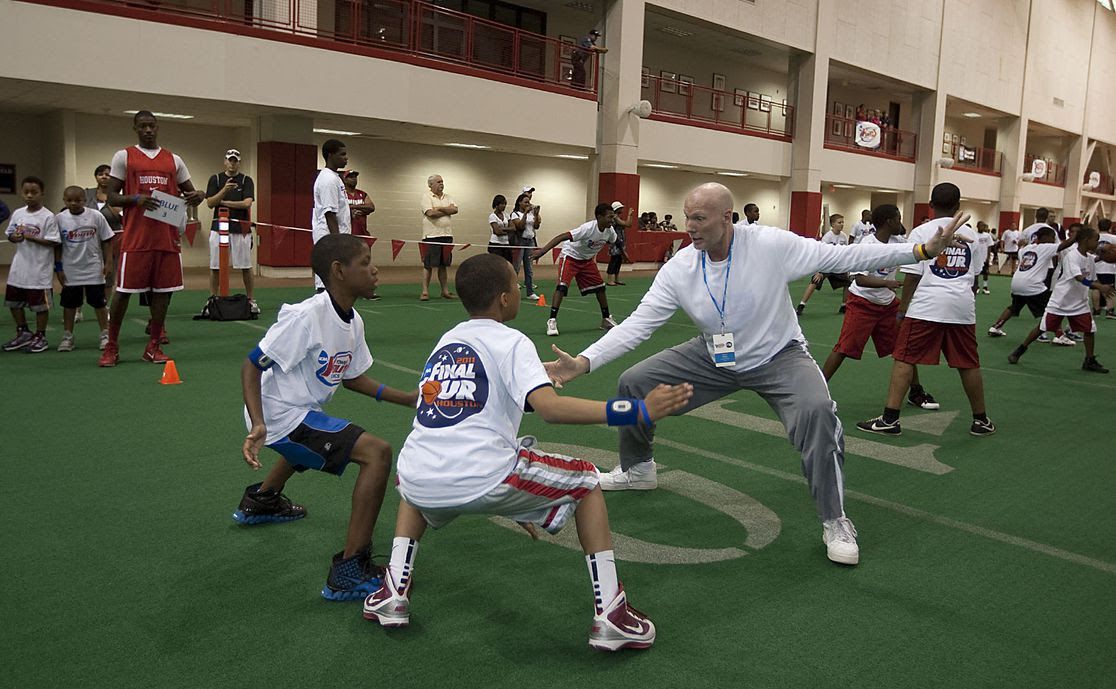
(724, 349)
(724, 352)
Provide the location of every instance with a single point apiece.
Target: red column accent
(622, 187)
(1009, 219)
(285, 186)
(1066, 222)
(921, 210)
(805, 213)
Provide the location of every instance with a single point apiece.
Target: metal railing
(683, 102)
(986, 160)
(404, 27)
(898, 144)
(1055, 174)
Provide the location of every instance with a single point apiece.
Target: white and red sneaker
(154, 354)
(621, 626)
(110, 356)
(389, 605)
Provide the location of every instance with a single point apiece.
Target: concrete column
(1076, 164)
(59, 142)
(930, 110)
(1012, 140)
(618, 145)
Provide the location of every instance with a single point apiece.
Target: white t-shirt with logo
(1069, 297)
(503, 224)
(986, 241)
(81, 235)
(1030, 231)
(33, 264)
(860, 229)
(838, 238)
(1030, 276)
(313, 350)
(877, 295)
(1104, 267)
(1010, 239)
(472, 396)
(945, 290)
(587, 240)
(329, 195)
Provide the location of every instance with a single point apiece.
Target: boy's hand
(944, 238)
(664, 400)
(530, 529)
(414, 397)
(252, 445)
(16, 236)
(565, 368)
(536, 254)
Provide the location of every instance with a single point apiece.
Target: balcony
(985, 161)
(841, 134)
(1055, 174)
(681, 102)
(401, 30)
(1104, 184)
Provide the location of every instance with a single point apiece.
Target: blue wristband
(58, 266)
(1087, 282)
(380, 391)
(626, 411)
(259, 359)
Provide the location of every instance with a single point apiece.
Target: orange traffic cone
(542, 300)
(170, 374)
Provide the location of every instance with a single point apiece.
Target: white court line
(397, 367)
(990, 534)
(249, 324)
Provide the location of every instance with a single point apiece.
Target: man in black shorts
(437, 228)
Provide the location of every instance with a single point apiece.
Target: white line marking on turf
(990, 534)
(248, 324)
(397, 367)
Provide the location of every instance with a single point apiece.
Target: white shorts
(543, 488)
(240, 251)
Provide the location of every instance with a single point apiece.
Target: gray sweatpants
(791, 384)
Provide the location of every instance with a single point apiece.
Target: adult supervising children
(732, 283)
(331, 203)
(234, 191)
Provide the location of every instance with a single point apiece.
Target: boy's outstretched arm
(381, 392)
(664, 400)
(250, 375)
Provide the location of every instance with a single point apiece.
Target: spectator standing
(581, 55)
(35, 233)
(360, 207)
(235, 191)
(331, 205)
(527, 219)
(499, 242)
(617, 254)
(667, 225)
(751, 214)
(96, 198)
(437, 228)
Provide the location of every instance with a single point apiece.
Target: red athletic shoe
(389, 605)
(154, 354)
(163, 339)
(109, 356)
(621, 626)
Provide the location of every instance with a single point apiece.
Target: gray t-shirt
(82, 259)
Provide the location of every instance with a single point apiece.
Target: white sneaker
(608, 323)
(996, 332)
(253, 306)
(642, 476)
(621, 626)
(985, 291)
(79, 317)
(1063, 341)
(67, 343)
(552, 326)
(533, 297)
(104, 340)
(839, 536)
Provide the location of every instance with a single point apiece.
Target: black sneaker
(923, 400)
(260, 507)
(352, 578)
(878, 425)
(1013, 358)
(842, 309)
(1091, 364)
(982, 427)
(799, 309)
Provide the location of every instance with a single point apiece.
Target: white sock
(602, 573)
(403, 551)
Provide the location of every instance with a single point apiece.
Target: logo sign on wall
(966, 154)
(867, 135)
(1094, 179)
(7, 178)
(1038, 168)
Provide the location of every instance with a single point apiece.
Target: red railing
(1055, 174)
(988, 161)
(390, 27)
(1106, 186)
(685, 103)
(840, 134)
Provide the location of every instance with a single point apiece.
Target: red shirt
(357, 197)
(144, 176)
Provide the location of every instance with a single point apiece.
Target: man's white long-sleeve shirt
(758, 309)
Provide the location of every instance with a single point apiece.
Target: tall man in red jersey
(151, 251)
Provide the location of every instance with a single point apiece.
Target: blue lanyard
(724, 293)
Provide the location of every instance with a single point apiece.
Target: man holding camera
(235, 191)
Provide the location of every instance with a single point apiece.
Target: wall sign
(7, 178)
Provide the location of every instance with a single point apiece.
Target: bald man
(732, 283)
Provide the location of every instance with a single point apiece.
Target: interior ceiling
(1039, 129)
(847, 75)
(716, 41)
(955, 107)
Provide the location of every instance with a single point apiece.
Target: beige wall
(20, 145)
(790, 22)
(1058, 62)
(895, 38)
(664, 191)
(1099, 121)
(706, 148)
(972, 185)
(985, 51)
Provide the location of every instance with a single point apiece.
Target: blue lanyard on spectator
(724, 293)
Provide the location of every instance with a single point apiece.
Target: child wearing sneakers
(1028, 284)
(1106, 272)
(1076, 275)
(79, 262)
(463, 458)
(33, 230)
(315, 346)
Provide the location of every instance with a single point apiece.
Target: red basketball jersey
(145, 175)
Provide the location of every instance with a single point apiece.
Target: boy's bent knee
(370, 450)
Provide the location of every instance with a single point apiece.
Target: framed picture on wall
(685, 85)
(964, 142)
(838, 108)
(765, 104)
(947, 148)
(718, 82)
(850, 112)
(668, 82)
(947, 138)
(753, 100)
(837, 128)
(568, 45)
(739, 97)
(566, 71)
(956, 139)
(718, 102)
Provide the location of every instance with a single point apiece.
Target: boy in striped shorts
(462, 456)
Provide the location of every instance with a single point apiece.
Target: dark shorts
(836, 280)
(1011, 254)
(505, 253)
(20, 298)
(1106, 278)
(320, 442)
(865, 319)
(71, 297)
(1036, 303)
(437, 256)
(923, 342)
(614, 263)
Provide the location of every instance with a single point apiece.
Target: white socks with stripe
(403, 551)
(602, 572)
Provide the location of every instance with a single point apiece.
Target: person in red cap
(360, 207)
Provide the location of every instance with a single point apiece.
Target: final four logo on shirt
(952, 263)
(333, 367)
(454, 386)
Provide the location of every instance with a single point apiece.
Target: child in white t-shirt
(841, 281)
(79, 263)
(1028, 284)
(315, 346)
(33, 230)
(1069, 298)
(463, 456)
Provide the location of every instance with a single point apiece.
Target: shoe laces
(843, 530)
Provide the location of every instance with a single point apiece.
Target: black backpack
(232, 308)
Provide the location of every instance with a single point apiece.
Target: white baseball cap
(616, 205)
(527, 189)
(232, 153)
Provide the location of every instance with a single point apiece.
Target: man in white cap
(235, 191)
(616, 252)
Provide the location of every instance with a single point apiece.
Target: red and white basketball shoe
(389, 605)
(621, 626)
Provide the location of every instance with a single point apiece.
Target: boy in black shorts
(79, 263)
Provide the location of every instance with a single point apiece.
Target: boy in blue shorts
(315, 346)
(79, 263)
(463, 458)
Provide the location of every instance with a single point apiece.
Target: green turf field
(985, 562)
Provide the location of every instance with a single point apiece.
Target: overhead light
(164, 115)
(457, 145)
(571, 156)
(887, 191)
(338, 132)
(971, 114)
(676, 32)
(732, 174)
(661, 165)
(842, 186)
